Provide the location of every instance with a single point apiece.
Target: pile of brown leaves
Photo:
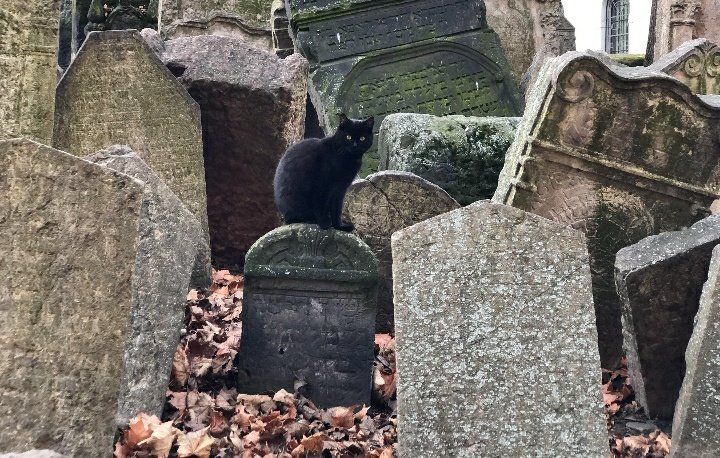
(626, 419)
(205, 416)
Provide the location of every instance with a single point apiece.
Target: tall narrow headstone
(461, 154)
(695, 63)
(381, 204)
(282, 43)
(242, 145)
(117, 92)
(28, 67)
(309, 315)
(620, 153)
(697, 414)
(490, 301)
(660, 280)
(430, 56)
(676, 21)
(93, 278)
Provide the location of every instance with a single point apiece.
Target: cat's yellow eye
(362, 139)
(349, 137)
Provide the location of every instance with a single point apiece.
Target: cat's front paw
(345, 226)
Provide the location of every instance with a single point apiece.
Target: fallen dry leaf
(140, 429)
(162, 439)
(195, 444)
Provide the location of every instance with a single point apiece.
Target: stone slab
(28, 63)
(308, 315)
(659, 281)
(280, 24)
(374, 58)
(461, 154)
(94, 279)
(139, 104)
(382, 204)
(620, 153)
(697, 412)
(695, 63)
(489, 300)
(676, 21)
(242, 146)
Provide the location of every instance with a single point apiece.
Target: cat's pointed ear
(370, 122)
(343, 119)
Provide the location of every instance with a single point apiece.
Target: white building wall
(588, 15)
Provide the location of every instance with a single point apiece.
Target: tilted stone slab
(505, 296)
(619, 153)
(697, 413)
(242, 145)
(381, 204)
(371, 58)
(463, 155)
(94, 279)
(695, 63)
(117, 92)
(659, 281)
(308, 315)
(28, 63)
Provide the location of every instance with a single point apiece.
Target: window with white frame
(616, 26)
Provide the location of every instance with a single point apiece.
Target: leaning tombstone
(381, 204)
(93, 287)
(429, 56)
(461, 154)
(242, 146)
(659, 280)
(489, 302)
(139, 104)
(697, 413)
(674, 22)
(620, 153)
(309, 315)
(28, 67)
(695, 63)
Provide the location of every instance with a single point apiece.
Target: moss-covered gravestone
(309, 315)
(618, 152)
(28, 63)
(376, 58)
(695, 63)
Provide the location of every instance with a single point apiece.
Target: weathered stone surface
(139, 104)
(384, 203)
(430, 56)
(660, 280)
(528, 28)
(121, 15)
(697, 413)
(695, 63)
(28, 62)
(245, 19)
(94, 278)
(282, 43)
(619, 153)
(506, 296)
(463, 155)
(676, 21)
(166, 207)
(242, 146)
(33, 454)
(308, 314)
(65, 34)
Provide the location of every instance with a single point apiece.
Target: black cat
(313, 175)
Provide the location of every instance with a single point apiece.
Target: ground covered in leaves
(205, 416)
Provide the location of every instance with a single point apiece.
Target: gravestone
(28, 67)
(139, 104)
(530, 28)
(676, 21)
(429, 56)
(242, 146)
(695, 63)
(489, 302)
(697, 414)
(619, 153)
(381, 204)
(245, 19)
(463, 155)
(660, 280)
(93, 283)
(106, 15)
(308, 315)
(282, 43)
(65, 34)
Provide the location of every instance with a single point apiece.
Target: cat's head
(355, 136)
